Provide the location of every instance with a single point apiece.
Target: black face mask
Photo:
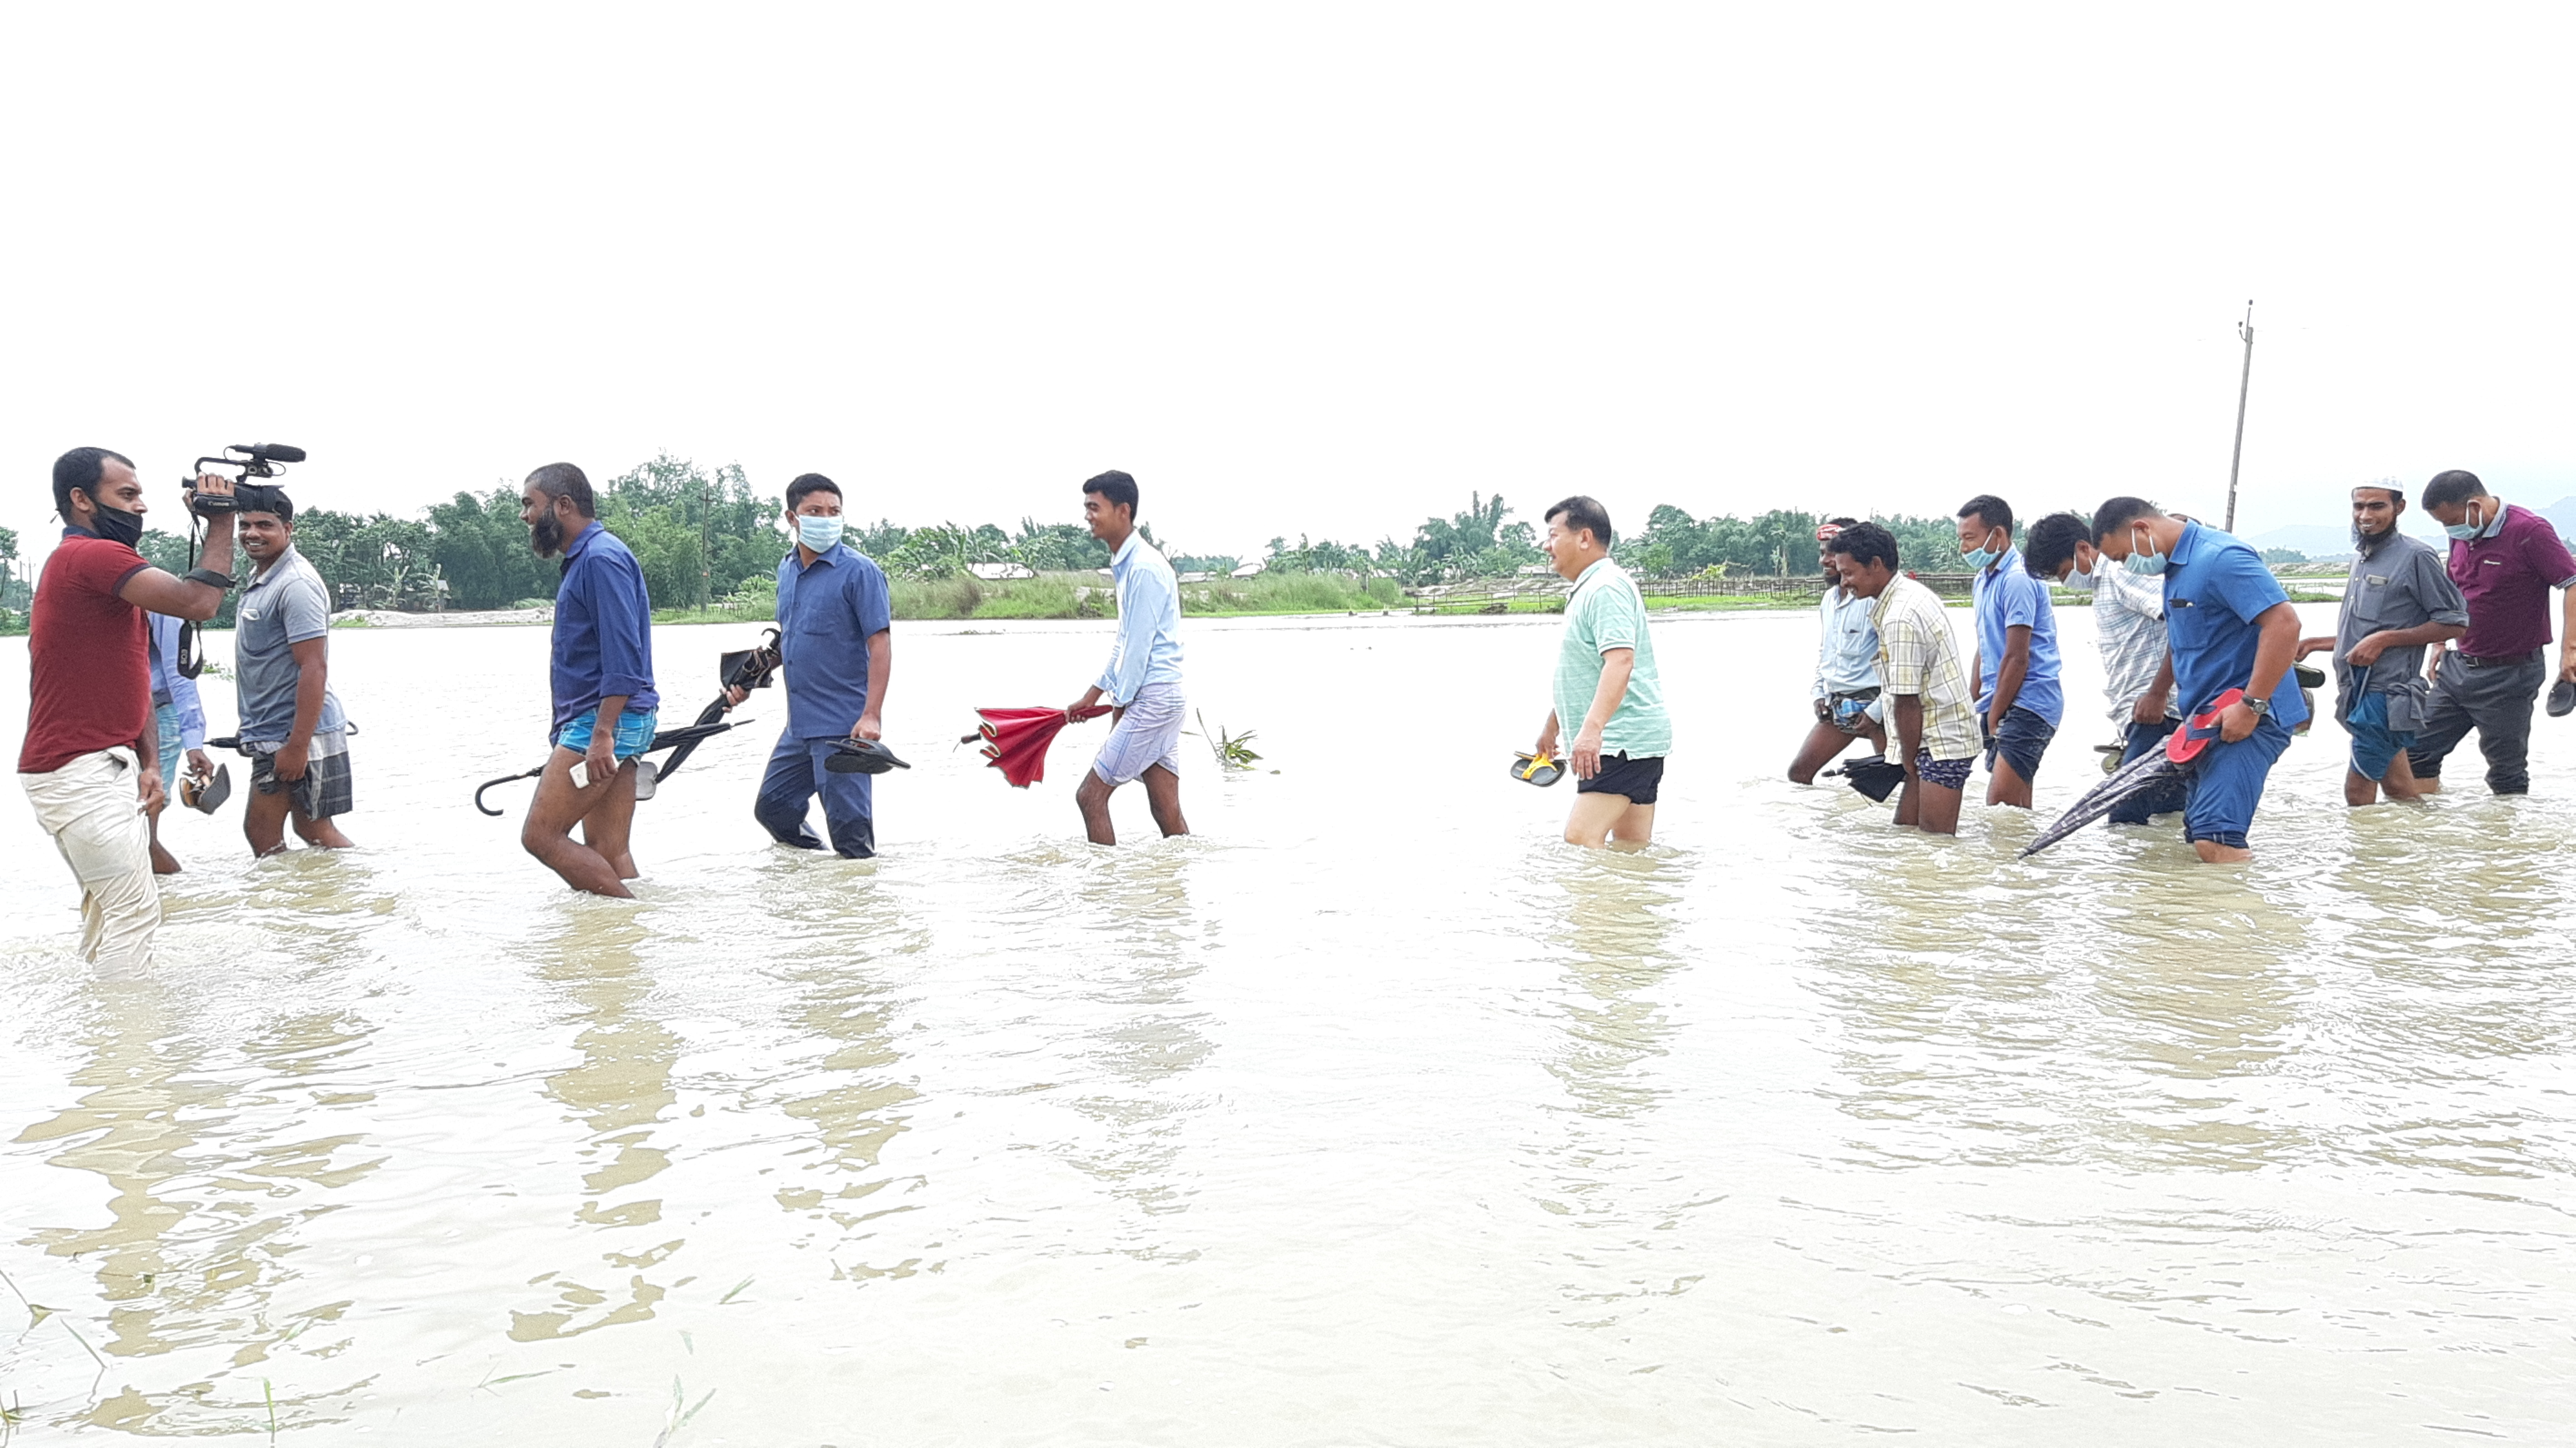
(118, 527)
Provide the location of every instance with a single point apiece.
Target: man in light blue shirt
(2016, 673)
(1845, 696)
(1143, 680)
(181, 719)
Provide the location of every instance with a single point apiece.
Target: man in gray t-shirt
(291, 725)
(2398, 601)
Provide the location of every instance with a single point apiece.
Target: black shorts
(1638, 779)
(2021, 742)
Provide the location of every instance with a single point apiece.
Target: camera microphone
(271, 452)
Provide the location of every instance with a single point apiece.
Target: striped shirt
(1916, 655)
(2129, 619)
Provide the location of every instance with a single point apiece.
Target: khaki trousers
(91, 808)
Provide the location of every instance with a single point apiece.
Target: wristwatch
(2260, 707)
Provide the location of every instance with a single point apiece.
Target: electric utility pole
(2244, 381)
(702, 538)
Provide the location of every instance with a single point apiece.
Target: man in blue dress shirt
(835, 641)
(604, 701)
(2228, 626)
(1143, 679)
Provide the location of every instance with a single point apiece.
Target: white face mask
(816, 533)
(2079, 580)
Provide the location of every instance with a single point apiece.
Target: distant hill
(2324, 542)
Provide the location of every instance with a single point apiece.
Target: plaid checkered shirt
(1916, 655)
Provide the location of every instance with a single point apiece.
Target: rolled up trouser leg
(91, 808)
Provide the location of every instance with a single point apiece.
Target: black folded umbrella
(744, 669)
(686, 737)
(2180, 755)
(741, 669)
(1872, 775)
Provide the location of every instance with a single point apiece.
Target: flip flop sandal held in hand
(862, 756)
(1536, 769)
(2562, 699)
(207, 795)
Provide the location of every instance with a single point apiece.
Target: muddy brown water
(1369, 1114)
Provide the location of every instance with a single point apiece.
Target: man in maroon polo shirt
(91, 763)
(2505, 560)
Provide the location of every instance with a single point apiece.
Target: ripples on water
(1369, 1114)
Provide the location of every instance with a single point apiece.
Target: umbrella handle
(504, 779)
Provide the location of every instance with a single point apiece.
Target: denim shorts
(165, 718)
(634, 733)
(2021, 742)
(2375, 746)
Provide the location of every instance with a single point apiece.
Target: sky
(1310, 269)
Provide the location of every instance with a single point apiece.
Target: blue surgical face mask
(2143, 559)
(816, 533)
(2465, 531)
(1981, 559)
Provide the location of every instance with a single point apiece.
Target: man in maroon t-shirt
(90, 764)
(2505, 560)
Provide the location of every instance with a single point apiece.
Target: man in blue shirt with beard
(835, 642)
(604, 702)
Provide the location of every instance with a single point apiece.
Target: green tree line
(702, 534)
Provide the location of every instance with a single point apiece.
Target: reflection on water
(1608, 928)
(851, 1093)
(208, 1183)
(1613, 938)
(618, 1091)
(1371, 1114)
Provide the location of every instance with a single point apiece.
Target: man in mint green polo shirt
(1605, 680)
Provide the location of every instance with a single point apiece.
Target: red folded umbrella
(1016, 740)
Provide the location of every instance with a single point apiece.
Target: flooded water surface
(1370, 1114)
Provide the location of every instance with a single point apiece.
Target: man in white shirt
(1143, 680)
(2129, 624)
(1845, 695)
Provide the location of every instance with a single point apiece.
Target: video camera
(256, 460)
